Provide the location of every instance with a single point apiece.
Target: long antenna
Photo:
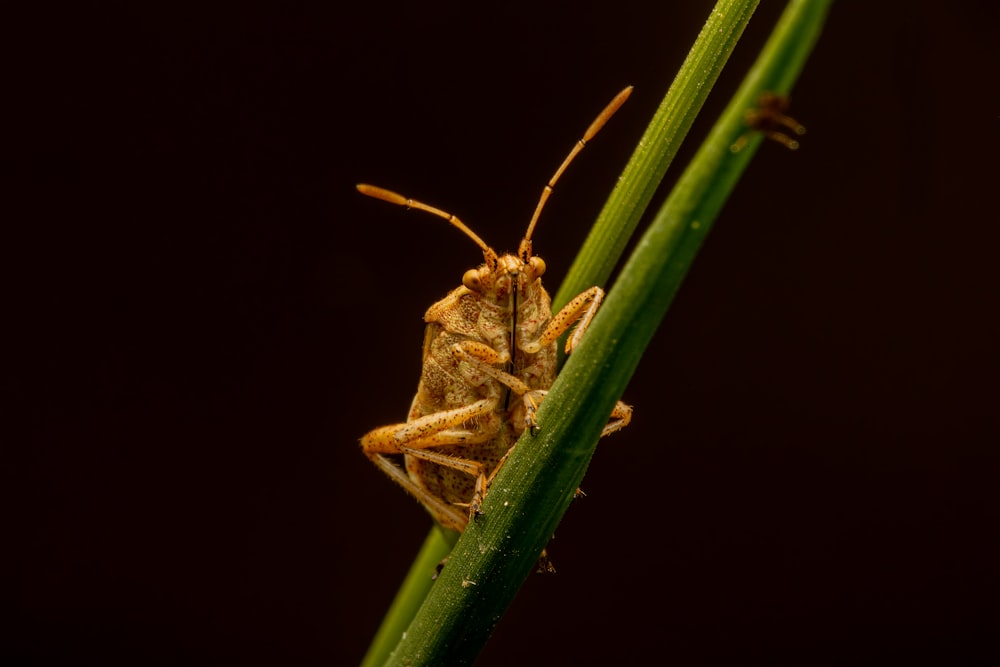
(400, 200)
(525, 249)
(595, 126)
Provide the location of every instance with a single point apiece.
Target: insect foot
(489, 358)
(769, 118)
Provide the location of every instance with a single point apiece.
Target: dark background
(205, 317)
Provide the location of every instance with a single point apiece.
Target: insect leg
(444, 513)
(621, 415)
(416, 436)
(482, 357)
(432, 430)
(580, 309)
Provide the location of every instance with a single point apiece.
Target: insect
(489, 357)
(769, 117)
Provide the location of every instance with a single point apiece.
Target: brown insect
(770, 119)
(489, 357)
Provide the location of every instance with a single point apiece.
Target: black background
(206, 316)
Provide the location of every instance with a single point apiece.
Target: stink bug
(489, 357)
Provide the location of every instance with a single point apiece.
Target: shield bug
(489, 357)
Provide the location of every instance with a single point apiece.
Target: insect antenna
(400, 200)
(525, 249)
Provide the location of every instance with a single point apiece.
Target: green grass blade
(410, 596)
(656, 149)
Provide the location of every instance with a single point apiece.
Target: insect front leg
(484, 359)
(581, 310)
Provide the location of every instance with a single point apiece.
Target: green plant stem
(650, 279)
(534, 488)
(642, 175)
(411, 594)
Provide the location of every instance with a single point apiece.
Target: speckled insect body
(489, 357)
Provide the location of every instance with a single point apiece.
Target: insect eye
(471, 280)
(537, 265)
